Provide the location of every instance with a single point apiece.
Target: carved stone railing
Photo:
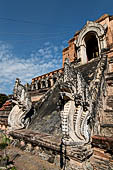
(18, 118)
(75, 112)
(80, 103)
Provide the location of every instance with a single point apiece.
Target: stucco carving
(98, 30)
(17, 117)
(75, 113)
(80, 103)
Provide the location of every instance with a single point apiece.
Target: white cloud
(47, 43)
(42, 61)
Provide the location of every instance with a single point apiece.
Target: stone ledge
(108, 110)
(102, 142)
(53, 143)
(37, 138)
(107, 125)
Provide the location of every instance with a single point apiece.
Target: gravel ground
(27, 161)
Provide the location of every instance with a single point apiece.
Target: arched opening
(43, 84)
(54, 80)
(91, 40)
(49, 83)
(92, 49)
(39, 85)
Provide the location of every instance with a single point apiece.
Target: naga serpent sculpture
(75, 113)
(17, 118)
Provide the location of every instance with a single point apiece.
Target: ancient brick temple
(67, 115)
(84, 47)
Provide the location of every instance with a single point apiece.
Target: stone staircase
(107, 115)
(102, 158)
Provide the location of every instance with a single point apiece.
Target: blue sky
(34, 32)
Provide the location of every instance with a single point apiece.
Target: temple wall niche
(92, 47)
(71, 53)
(90, 29)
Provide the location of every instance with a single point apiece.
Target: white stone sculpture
(79, 103)
(75, 113)
(17, 118)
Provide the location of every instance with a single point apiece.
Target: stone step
(107, 125)
(109, 102)
(109, 79)
(109, 76)
(108, 111)
(107, 129)
(110, 96)
(107, 117)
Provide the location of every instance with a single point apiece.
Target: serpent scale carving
(79, 103)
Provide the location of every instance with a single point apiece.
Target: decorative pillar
(43, 83)
(36, 84)
(52, 82)
(33, 86)
(27, 86)
(46, 83)
(41, 86)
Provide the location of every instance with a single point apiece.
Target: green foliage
(13, 168)
(4, 158)
(3, 98)
(3, 146)
(5, 141)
